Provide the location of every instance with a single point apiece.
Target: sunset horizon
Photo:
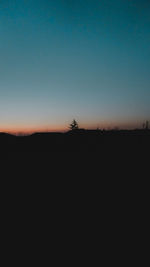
(64, 128)
(74, 126)
(87, 60)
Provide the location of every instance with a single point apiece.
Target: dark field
(78, 186)
(77, 167)
(81, 152)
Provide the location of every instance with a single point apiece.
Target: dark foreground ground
(86, 161)
(81, 191)
(96, 153)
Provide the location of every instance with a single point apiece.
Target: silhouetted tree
(74, 125)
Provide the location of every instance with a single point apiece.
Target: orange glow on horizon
(19, 129)
(30, 131)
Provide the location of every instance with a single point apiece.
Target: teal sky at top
(65, 59)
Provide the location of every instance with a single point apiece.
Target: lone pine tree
(74, 125)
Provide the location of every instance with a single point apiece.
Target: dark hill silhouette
(76, 183)
(78, 158)
(80, 145)
(80, 163)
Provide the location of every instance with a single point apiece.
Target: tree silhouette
(74, 125)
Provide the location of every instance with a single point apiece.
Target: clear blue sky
(65, 59)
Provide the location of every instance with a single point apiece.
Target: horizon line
(22, 129)
(83, 129)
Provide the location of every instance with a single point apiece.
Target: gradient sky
(65, 59)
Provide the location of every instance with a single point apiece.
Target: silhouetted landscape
(77, 182)
(79, 189)
(94, 152)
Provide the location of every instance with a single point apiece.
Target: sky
(66, 59)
